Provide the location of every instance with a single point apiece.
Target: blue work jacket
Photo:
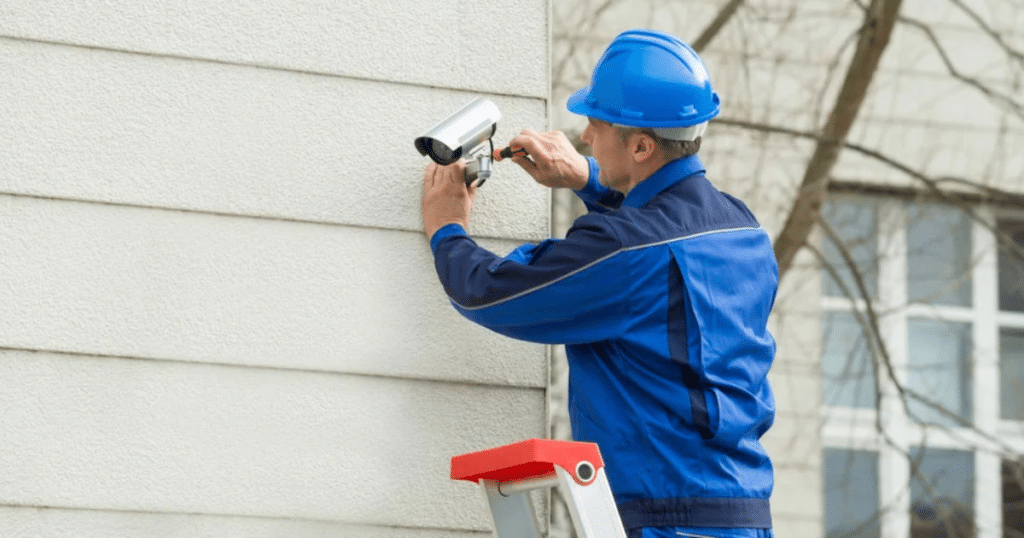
(661, 298)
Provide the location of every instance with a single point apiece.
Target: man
(661, 295)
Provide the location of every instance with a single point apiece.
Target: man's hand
(446, 200)
(553, 161)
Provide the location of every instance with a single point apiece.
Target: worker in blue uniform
(661, 294)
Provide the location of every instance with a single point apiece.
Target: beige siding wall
(220, 313)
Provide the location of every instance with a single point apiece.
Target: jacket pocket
(684, 343)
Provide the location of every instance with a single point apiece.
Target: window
(847, 371)
(941, 498)
(939, 367)
(938, 255)
(1011, 374)
(1011, 266)
(1013, 500)
(851, 493)
(922, 369)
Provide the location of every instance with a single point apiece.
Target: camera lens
(442, 154)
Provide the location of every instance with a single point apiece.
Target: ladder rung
(516, 486)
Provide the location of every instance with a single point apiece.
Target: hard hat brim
(577, 104)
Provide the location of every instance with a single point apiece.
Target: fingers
(456, 173)
(436, 176)
(533, 144)
(507, 153)
(531, 141)
(457, 166)
(429, 174)
(445, 197)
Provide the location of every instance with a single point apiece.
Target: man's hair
(673, 149)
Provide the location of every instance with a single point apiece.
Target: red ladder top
(525, 459)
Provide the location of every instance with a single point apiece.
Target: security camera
(464, 134)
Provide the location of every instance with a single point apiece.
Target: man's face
(610, 152)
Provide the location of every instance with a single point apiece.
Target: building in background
(218, 313)
(901, 322)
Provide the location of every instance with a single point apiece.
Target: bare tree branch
(874, 38)
(1004, 100)
(559, 72)
(830, 72)
(830, 136)
(870, 326)
(985, 27)
(717, 24)
(881, 359)
(869, 322)
(934, 185)
(991, 194)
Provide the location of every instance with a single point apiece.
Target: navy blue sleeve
(555, 292)
(596, 196)
(447, 230)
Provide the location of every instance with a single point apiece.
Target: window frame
(856, 428)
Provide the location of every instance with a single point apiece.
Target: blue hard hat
(648, 78)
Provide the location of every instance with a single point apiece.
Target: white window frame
(855, 429)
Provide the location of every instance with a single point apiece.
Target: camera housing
(464, 134)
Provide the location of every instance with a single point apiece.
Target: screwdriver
(508, 152)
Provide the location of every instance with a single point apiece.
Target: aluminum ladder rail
(507, 473)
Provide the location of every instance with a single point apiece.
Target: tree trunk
(716, 25)
(879, 20)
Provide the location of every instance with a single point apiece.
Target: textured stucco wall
(220, 315)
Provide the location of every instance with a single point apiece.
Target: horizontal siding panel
(149, 436)
(28, 522)
(439, 43)
(129, 129)
(137, 282)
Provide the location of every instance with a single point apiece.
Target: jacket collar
(673, 172)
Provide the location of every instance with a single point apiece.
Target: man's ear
(641, 147)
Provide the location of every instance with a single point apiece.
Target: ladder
(507, 473)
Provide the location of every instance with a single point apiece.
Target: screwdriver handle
(507, 153)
